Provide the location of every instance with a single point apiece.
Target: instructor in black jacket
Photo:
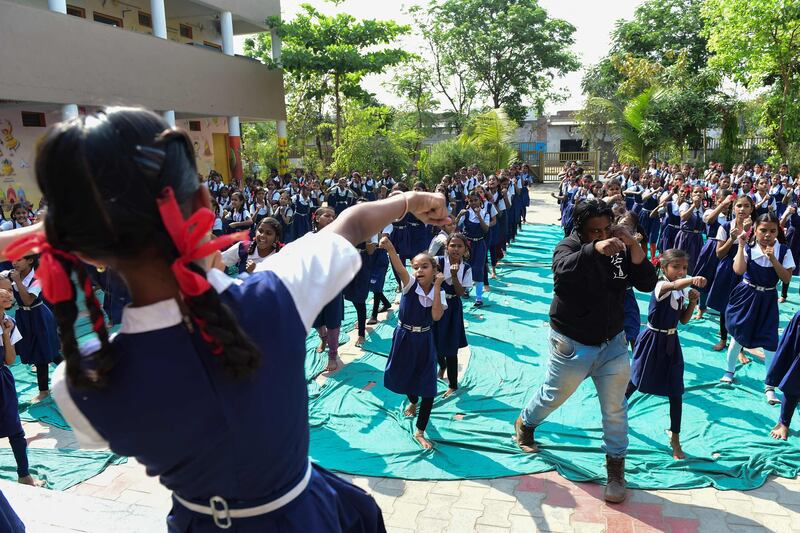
(592, 268)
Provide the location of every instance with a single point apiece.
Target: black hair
(276, 227)
(318, 212)
(767, 218)
(116, 164)
(463, 238)
(670, 256)
(591, 209)
(18, 205)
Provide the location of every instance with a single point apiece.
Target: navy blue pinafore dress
(411, 367)
(708, 261)
(301, 223)
(657, 366)
(690, 237)
(670, 225)
(752, 313)
(449, 332)
(784, 372)
(725, 278)
(37, 325)
(477, 247)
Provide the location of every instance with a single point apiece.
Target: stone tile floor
(123, 498)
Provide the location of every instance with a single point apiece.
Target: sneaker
(478, 303)
(727, 377)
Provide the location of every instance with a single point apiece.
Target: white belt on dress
(414, 329)
(759, 288)
(671, 331)
(450, 296)
(218, 507)
(34, 306)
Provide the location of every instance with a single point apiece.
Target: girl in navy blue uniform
(725, 279)
(260, 210)
(752, 312)
(266, 243)
(657, 366)
(707, 261)
(411, 367)
(181, 370)
(784, 373)
(340, 197)
(237, 216)
(377, 279)
(39, 344)
(669, 210)
(284, 214)
(690, 235)
(10, 425)
(448, 332)
(357, 290)
(650, 204)
(302, 204)
(475, 223)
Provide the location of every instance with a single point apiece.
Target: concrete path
(123, 498)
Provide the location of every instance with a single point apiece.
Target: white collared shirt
(757, 255)
(15, 336)
(674, 295)
(425, 298)
(474, 218)
(464, 277)
(30, 284)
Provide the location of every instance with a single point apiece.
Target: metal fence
(548, 165)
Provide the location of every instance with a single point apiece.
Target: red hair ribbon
(56, 284)
(187, 235)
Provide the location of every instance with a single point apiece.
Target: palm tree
(491, 133)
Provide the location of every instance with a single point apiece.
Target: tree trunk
(338, 108)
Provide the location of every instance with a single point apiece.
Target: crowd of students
(735, 235)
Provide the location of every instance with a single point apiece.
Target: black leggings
(424, 413)
(785, 290)
(361, 314)
(675, 409)
(42, 377)
(451, 364)
(788, 408)
(19, 446)
(723, 331)
(377, 301)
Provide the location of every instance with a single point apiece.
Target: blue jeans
(570, 363)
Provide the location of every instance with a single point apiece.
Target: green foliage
(448, 156)
(757, 43)
(491, 133)
(505, 50)
(260, 144)
(369, 142)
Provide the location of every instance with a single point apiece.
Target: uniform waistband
(671, 331)
(759, 288)
(414, 329)
(698, 231)
(29, 307)
(475, 239)
(218, 508)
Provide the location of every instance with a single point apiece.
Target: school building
(64, 58)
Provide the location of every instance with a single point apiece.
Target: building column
(283, 138)
(158, 16)
(234, 130)
(68, 111)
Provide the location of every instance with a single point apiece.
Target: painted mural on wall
(203, 140)
(17, 144)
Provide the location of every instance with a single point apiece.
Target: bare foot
(411, 410)
(720, 345)
(699, 315)
(493, 275)
(32, 481)
(743, 358)
(322, 345)
(448, 392)
(781, 300)
(41, 396)
(333, 364)
(425, 443)
(779, 432)
(675, 442)
(360, 342)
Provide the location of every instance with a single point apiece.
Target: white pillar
(226, 28)
(158, 17)
(59, 6)
(283, 140)
(69, 111)
(169, 116)
(233, 127)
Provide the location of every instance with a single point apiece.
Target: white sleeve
(788, 260)
(707, 215)
(314, 269)
(467, 282)
(684, 208)
(407, 286)
(443, 299)
(722, 234)
(88, 437)
(230, 256)
(388, 229)
(657, 291)
(15, 336)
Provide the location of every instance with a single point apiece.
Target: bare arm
(10, 354)
(686, 315)
(436, 309)
(397, 263)
(7, 237)
(739, 262)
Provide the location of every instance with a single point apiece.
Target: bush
(447, 157)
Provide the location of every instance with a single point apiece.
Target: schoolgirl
(115, 293)
(213, 379)
(707, 261)
(357, 290)
(285, 214)
(527, 181)
(357, 185)
(411, 367)
(449, 332)
(302, 205)
(568, 204)
(725, 279)
(649, 204)
(377, 280)
(370, 185)
(752, 312)
(237, 216)
(784, 374)
(10, 425)
(790, 221)
(778, 191)
(632, 317)
(35, 321)
(633, 193)
(419, 234)
(19, 218)
(493, 237)
(266, 243)
(669, 210)
(690, 235)
(765, 202)
(217, 228)
(475, 224)
(224, 199)
(657, 366)
(341, 197)
(260, 209)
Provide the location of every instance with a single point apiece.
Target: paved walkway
(123, 498)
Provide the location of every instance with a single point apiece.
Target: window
(186, 31)
(76, 11)
(107, 19)
(213, 45)
(32, 119)
(195, 125)
(145, 19)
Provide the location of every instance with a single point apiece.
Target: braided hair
(93, 160)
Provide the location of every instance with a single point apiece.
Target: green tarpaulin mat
(59, 468)
(358, 427)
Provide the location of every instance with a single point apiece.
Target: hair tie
(56, 283)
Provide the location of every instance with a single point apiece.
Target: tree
(412, 84)
(260, 144)
(757, 43)
(512, 47)
(339, 49)
(491, 133)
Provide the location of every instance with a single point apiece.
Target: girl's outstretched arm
(7, 237)
(397, 263)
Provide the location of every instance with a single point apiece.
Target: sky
(592, 19)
